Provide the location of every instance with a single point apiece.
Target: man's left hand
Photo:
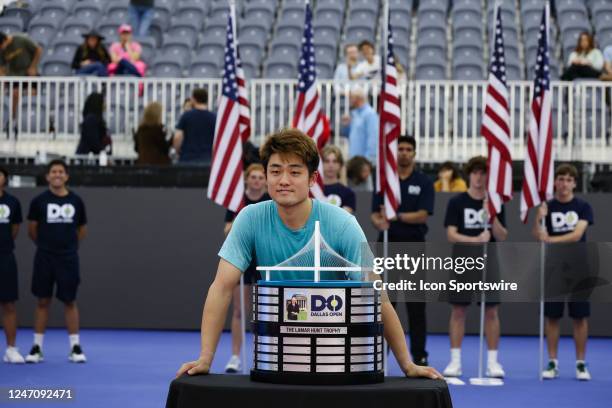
(32, 71)
(415, 371)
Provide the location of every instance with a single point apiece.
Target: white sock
(11, 348)
(492, 356)
(38, 339)
(74, 340)
(456, 355)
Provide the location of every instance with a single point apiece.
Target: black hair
(94, 105)
(6, 174)
(200, 95)
(407, 139)
(57, 162)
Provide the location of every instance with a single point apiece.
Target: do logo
(60, 213)
(564, 220)
(474, 218)
(5, 212)
(320, 303)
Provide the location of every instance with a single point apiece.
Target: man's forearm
(394, 334)
(36, 58)
(213, 319)
(415, 217)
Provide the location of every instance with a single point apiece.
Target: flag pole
(383, 59)
(232, 5)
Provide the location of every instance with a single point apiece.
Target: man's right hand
(543, 210)
(194, 367)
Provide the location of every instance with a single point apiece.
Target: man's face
(405, 154)
(293, 301)
(288, 179)
(2, 181)
(478, 179)
(564, 185)
(356, 99)
(57, 176)
(367, 52)
(331, 166)
(352, 53)
(256, 180)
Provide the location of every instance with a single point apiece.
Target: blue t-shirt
(468, 215)
(198, 128)
(58, 221)
(10, 214)
(258, 231)
(562, 218)
(340, 195)
(417, 193)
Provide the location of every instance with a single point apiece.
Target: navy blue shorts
(577, 310)
(61, 270)
(9, 289)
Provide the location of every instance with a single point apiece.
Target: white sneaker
(582, 372)
(453, 369)
(12, 356)
(35, 356)
(233, 365)
(76, 355)
(495, 370)
(552, 371)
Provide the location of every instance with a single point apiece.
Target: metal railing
(444, 116)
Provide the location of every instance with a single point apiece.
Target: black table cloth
(228, 391)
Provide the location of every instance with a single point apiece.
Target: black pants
(579, 71)
(417, 328)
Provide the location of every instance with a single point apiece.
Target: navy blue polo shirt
(10, 214)
(59, 219)
(417, 193)
(562, 218)
(340, 195)
(468, 215)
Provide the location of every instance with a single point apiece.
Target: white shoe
(12, 356)
(495, 370)
(453, 369)
(233, 365)
(35, 356)
(76, 355)
(552, 371)
(582, 372)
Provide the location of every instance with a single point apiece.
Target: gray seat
(213, 54)
(148, 46)
(324, 70)
(52, 8)
(396, 6)
(64, 38)
(202, 67)
(603, 19)
(166, 66)
(359, 34)
(293, 5)
(604, 37)
(107, 29)
(117, 12)
(77, 24)
(365, 5)
(514, 72)
(192, 8)
(184, 43)
(10, 25)
(280, 49)
(254, 29)
(42, 35)
(23, 13)
(326, 35)
(572, 18)
(362, 15)
(434, 5)
(251, 53)
(471, 14)
(88, 9)
(468, 67)
(600, 6)
(432, 38)
(291, 18)
(49, 22)
(219, 10)
(252, 37)
(427, 19)
(185, 26)
(337, 5)
(280, 68)
(294, 33)
(430, 67)
(250, 70)
(532, 5)
(327, 18)
(467, 24)
(163, 8)
(56, 66)
(260, 9)
(214, 29)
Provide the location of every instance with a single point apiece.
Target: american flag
(387, 179)
(308, 116)
(538, 171)
(496, 126)
(225, 185)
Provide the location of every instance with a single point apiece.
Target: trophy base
(319, 379)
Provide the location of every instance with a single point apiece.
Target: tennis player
(273, 231)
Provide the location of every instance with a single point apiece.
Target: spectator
(607, 72)
(370, 66)
(94, 134)
(19, 56)
(361, 126)
(401, 72)
(359, 174)
(193, 138)
(337, 193)
(150, 139)
(346, 70)
(187, 105)
(449, 179)
(125, 55)
(585, 61)
(91, 58)
(141, 16)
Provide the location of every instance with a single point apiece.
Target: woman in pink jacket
(125, 55)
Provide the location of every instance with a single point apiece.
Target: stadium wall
(151, 255)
